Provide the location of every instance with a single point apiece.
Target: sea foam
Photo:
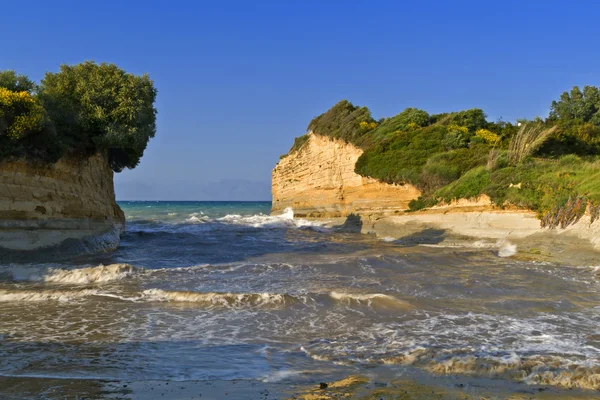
(234, 300)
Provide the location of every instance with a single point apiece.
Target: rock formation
(70, 203)
(318, 180)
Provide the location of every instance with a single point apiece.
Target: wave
(539, 370)
(549, 370)
(79, 276)
(44, 295)
(99, 274)
(200, 221)
(377, 299)
(233, 300)
(506, 249)
(283, 220)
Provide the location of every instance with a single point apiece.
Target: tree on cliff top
(25, 129)
(101, 107)
(16, 82)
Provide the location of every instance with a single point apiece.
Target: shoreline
(482, 227)
(366, 387)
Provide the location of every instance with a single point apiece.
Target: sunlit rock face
(318, 180)
(70, 204)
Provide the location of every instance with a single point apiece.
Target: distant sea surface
(224, 291)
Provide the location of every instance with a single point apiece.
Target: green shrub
(342, 121)
(25, 129)
(17, 83)
(461, 155)
(80, 110)
(299, 143)
(101, 107)
(470, 185)
(570, 160)
(409, 119)
(421, 203)
(473, 119)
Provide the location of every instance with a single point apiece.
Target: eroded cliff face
(71, 203)
(318, 180)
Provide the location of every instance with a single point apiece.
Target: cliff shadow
(352, 224)
(426, 236)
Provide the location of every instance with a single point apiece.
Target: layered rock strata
(70, 204)
(318, 180)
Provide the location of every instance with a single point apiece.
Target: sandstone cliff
(318, 180)
(71, 203)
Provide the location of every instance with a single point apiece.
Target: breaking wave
(44, 295)
(371, 299)
(234, 300)
(506, 249)
(538, 370)
(79, 276)
(229, 221)
(99, 274)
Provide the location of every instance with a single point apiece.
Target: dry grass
(527, 140)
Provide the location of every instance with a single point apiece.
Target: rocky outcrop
(318, 180)
(69, 204)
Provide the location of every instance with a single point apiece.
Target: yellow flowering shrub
(488, 136)
(20, 114)
(411, 126)
(458, 129)
(368, 125)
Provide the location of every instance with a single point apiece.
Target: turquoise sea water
(223, 290)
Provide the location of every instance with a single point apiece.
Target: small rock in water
(323, 385)
(536, 333)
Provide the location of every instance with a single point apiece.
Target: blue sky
(238, 80)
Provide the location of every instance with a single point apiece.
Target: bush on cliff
(532, 164)
(25, 129)
(80, 110)
(16, 82)
(343, 121)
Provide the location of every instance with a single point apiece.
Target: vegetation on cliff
(548, 165)
(80, 110)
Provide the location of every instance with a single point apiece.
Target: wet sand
(351, 387)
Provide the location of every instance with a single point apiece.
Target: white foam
(283, 220)
(197, 218)
(217, 299)
(369, 298)
(44, 295)
(506, 249)
(78, 276)
(86, 276)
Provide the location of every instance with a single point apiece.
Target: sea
(223, 291)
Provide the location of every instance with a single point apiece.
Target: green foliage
(421, 203)
(577, 115)
(572, 138)
(409, 119)
(400, 158)
(581, 106)
(343, 121)
(25, 130)
(473, 119)
(82, 109)
(15, 82)
(299, 142)
(460, 155)
(470, 185)
(420, 157)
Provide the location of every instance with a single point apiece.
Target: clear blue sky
(238, 80)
